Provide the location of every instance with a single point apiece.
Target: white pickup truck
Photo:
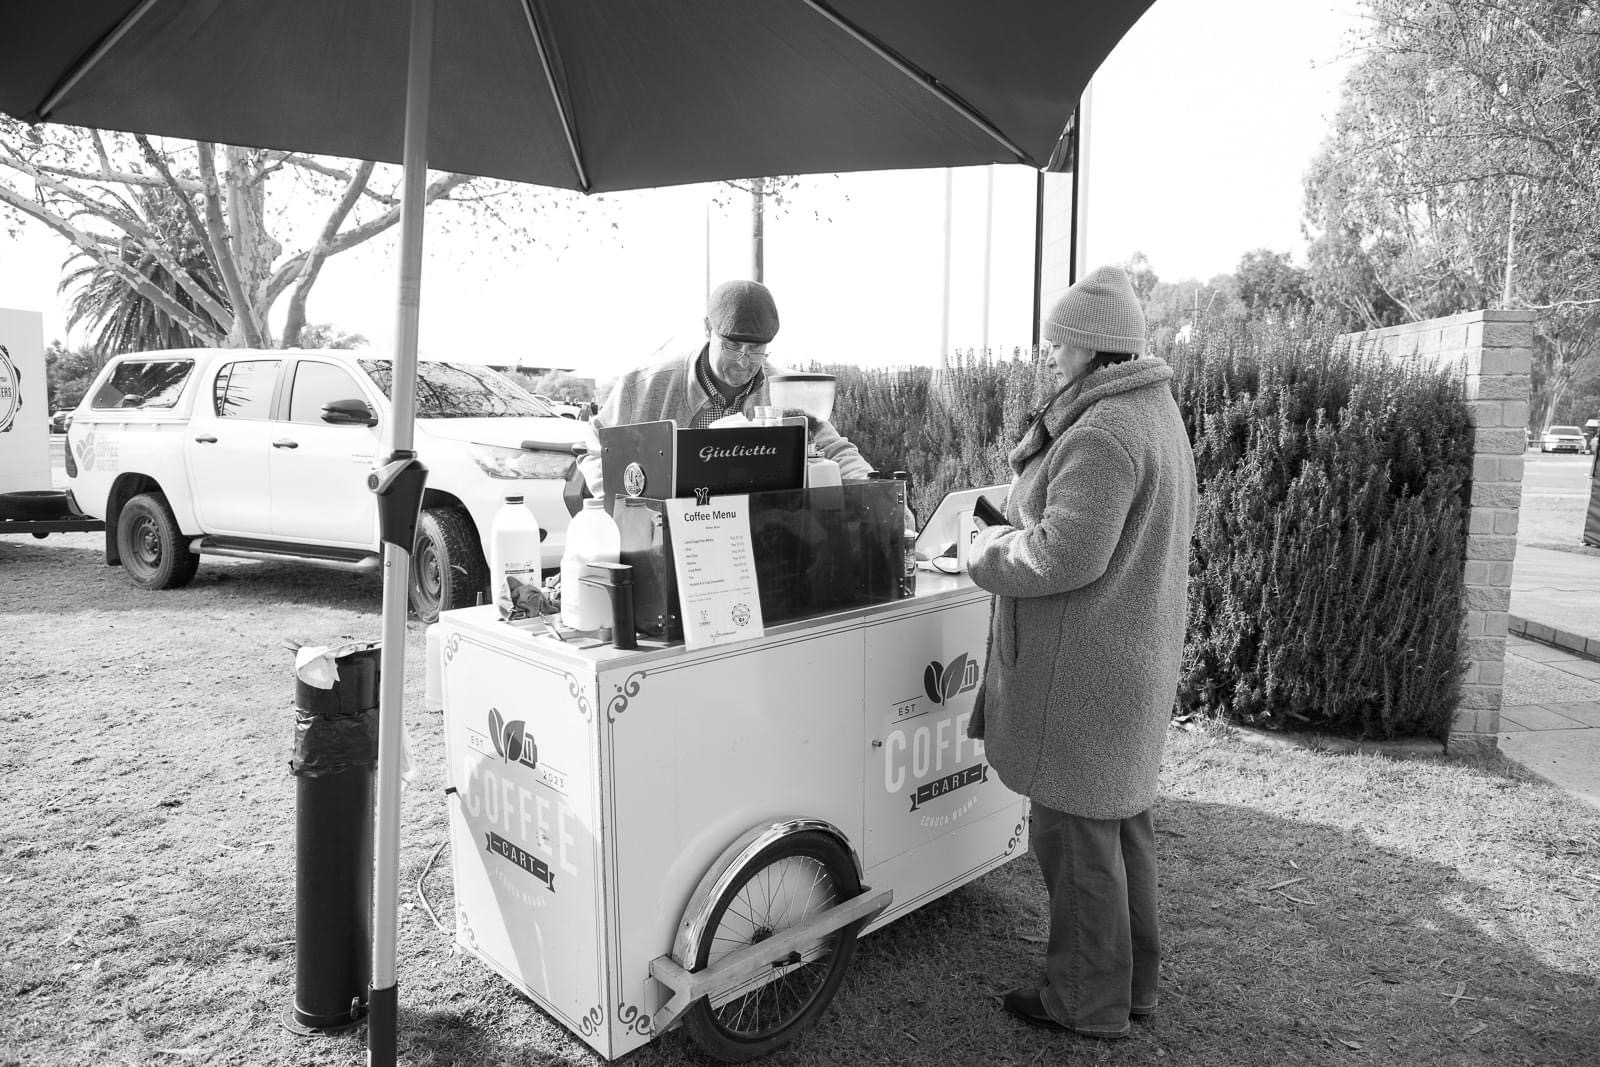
(265, 454)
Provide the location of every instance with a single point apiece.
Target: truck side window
(143, 384)
(244, 389)
(316, 384)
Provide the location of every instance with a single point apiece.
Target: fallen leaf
(1350, 1044)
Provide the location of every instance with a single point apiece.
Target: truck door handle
(206, 439)
(285, 443)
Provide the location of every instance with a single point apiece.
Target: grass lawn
(1317, 908)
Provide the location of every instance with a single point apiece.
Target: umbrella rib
(562, 110)
(107, 44)
(920, 76)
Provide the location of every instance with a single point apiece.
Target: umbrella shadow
(1359, 945)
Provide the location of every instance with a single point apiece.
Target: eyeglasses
(745, 353)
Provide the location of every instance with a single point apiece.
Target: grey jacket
(670, 389)
(1091, 587)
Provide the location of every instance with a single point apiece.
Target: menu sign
(716, 569)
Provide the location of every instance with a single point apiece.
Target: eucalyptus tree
(261, 224)
(1463, 171)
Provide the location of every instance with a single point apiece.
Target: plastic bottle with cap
(821, 472)
(592, 537)
(514, 559)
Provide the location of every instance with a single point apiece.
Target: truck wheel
(788, 882)
(447, 567)
(154, 551)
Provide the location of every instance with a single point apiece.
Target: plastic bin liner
(336, 708)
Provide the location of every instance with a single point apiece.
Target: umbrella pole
(405, 477)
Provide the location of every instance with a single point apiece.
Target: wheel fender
(733, 860)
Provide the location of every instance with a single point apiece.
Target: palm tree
(121, 318)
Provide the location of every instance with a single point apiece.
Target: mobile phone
(986, 514)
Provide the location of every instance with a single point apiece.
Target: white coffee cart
(646, 837)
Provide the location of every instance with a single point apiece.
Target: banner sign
(978, 772)
(499, 846)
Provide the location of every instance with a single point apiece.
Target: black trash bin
(334, 761)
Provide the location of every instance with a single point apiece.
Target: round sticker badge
(10, 390)
(633, 480)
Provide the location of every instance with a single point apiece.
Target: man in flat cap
(727, 373)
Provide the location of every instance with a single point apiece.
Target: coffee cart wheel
(788, 882)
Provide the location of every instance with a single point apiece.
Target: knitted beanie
(742, 311)
(1100, 312)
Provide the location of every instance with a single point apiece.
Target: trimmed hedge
(1326, 583)
(949, 434)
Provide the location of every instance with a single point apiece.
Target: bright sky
(1204, 121)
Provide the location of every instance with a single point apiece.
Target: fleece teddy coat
(1090, 584)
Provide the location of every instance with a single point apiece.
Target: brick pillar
(1494, 351)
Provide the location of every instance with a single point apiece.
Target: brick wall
(1494, 350)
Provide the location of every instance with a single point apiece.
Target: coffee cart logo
(512, 742)
(942, 683)
(978, 772)
(633, 480)
(10, 390)
(496, 845)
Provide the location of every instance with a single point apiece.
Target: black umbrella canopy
(597, 95)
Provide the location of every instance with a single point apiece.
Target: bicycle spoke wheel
(787, 884)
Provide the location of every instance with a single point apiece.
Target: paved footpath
(1553, 728)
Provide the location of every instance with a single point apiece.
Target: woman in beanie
(1090, 582)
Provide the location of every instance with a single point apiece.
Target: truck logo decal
(86, 451)
(941, 682)
(10, 390)
(511, 740)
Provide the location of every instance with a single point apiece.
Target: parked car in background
(265, 454)
(60, 421)
(1563, 439)
(1591, 431)
(566, 411)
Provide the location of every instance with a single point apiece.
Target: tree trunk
(254, 250)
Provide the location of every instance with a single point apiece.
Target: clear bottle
(592, 537)
(908, 580)
(514, 559)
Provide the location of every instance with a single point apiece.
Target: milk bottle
(514, 560)
(591, 538)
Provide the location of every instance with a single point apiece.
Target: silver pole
(382, 1026)
(1080, 181)
(988, 248)
(944, 331)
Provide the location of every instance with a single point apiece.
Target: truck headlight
(498, 462)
